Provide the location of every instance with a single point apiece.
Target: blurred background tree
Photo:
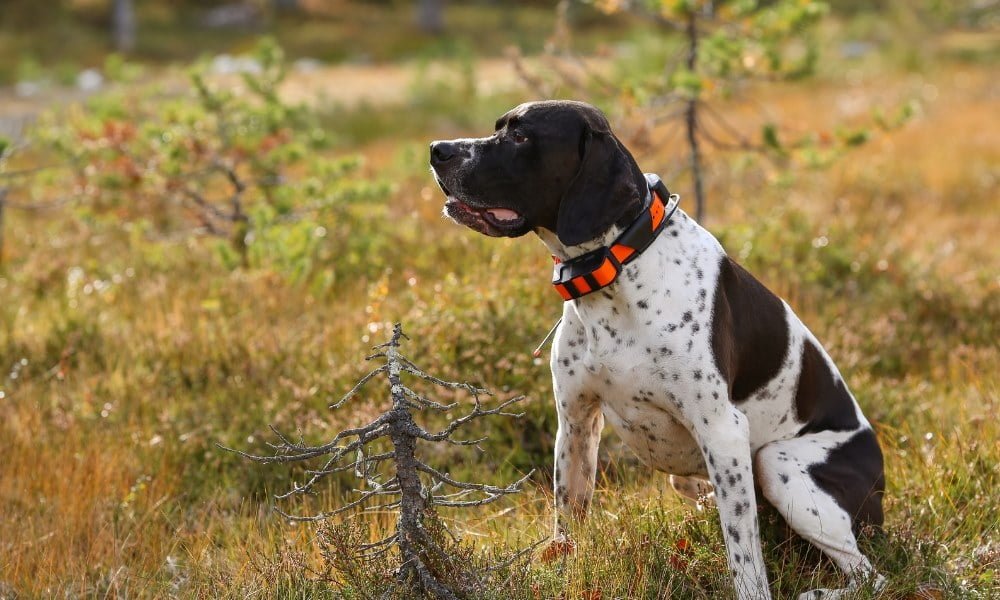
(430, 15)
(123, 24)
(726, 45)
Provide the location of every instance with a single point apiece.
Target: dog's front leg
(725, 443)
(577, 440)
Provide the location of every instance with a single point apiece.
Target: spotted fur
(647, 358)
(703, 372)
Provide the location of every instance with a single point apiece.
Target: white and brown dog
(703, 372)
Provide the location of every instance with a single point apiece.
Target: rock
(226, 64)
(89, 80)
(307, 65)
(237, 15)
(26, 89)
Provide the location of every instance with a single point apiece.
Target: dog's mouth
(495, 221)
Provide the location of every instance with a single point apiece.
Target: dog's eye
(519, 138)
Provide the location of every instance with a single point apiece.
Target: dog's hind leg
(827, 485)
(697, 491)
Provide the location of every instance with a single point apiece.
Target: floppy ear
(606, 185)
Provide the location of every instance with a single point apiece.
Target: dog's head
(553, 165)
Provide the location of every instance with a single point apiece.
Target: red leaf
(557, 549)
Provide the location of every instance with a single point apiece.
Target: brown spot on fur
(822, 401)
(749, 331)
(853, 475)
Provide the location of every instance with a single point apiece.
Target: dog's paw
(927, 591)
(558, 548)
(823, 594)
(695, 491)
(876, 583)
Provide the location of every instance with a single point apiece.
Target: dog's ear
(608, 182)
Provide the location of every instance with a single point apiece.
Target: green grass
(124, 360)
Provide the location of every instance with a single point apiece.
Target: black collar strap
(600, 267)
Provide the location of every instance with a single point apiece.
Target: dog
(703, 372)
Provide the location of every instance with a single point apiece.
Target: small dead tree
(396, 478)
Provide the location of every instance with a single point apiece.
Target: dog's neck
(564, 252)
(666, 245)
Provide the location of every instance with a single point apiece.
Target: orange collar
(599, 268)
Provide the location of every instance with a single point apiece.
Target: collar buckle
(600, 267)
(586, 273)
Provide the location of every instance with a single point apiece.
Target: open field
(125, 358)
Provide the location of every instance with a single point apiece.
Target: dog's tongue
(503, 214)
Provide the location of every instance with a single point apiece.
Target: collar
(599, 268)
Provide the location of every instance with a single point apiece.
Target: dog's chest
(633, 389)
(642, 349)
(644, 421)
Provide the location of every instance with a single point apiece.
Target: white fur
(628, 356)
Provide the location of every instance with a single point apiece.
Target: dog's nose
(442, 152)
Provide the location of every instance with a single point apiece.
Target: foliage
(125, 355)
(745, 39)
(727, 47)
(227, 160)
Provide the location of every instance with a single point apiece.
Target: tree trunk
(123, 24)
(3, 199)
(430, 16)
(412, 538)
(691, 120)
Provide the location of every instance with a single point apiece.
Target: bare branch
(458, 494)
(532, 81)
(206, 206)
(518, 555)
(357, 387)
(476, 413)
(365, 434)
(328, 469)
(413, 369)
(300, 518)
(364, 497)
(741, 143)
(389, 539)
(422, 402)
(281, 436)
(476, 487)
(465, 442)
(395, 504)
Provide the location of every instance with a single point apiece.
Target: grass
(123, 361)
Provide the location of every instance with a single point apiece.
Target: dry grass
(111, 485)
